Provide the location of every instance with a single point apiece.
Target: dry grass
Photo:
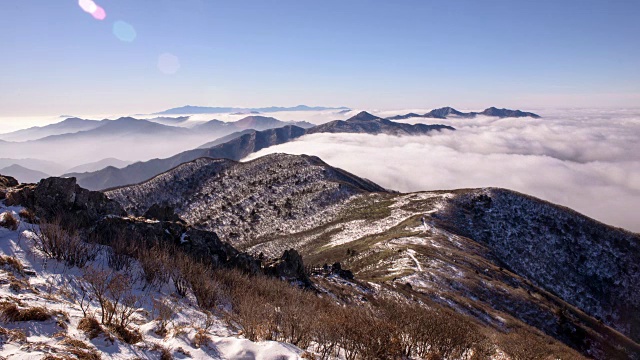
(12, 263)
(9, 221)
(27, 215)
(91, 327)
(10, 312)
(13, 335)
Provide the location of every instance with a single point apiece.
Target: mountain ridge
(445, 112)
(244, 144)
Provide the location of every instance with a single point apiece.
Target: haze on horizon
(146, 56)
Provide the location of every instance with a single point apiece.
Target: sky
(148, 55)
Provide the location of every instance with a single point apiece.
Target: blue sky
(360, 53)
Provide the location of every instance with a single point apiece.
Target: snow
(53, 283)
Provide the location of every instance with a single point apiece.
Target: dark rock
(202, 245)
(54, 197)
(289, 267)
(5, 183)
(162, 213)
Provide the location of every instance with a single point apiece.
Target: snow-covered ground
(49, 284)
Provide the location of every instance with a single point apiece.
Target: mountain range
(245, 143)
(189, 109)
(449, 112)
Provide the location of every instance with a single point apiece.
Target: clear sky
(148, 55)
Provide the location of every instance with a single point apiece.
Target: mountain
(22, 174)
(267, 188)
(122, 127)
(506, 113)
(188, 109)
(366, 123)
(98, 165)
(71, 125)
(235, 149)
(586, 263)
(44, 166)
(448, 112)
(225, 139)
(513, 263)
(219, 128)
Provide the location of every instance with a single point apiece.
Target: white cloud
(587, 160)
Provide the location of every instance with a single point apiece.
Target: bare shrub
(9, 221)
(165, 354)
(126, 335)
(200, 339)
(163, 312)
(63, 244)
(113, 291)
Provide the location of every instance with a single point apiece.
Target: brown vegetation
(11, 313)
(9, 221)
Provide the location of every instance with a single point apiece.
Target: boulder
(289, 267)
(162, 213)
(6, 182)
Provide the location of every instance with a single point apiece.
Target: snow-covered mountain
(498, 256)
(271, 187)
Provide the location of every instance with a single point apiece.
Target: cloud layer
(587, 160)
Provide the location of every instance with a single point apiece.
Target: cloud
(585, 159)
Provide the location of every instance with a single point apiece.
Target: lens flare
(89, 6)
(124, 31)
(168, 63)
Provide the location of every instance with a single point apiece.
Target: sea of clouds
(585, 159)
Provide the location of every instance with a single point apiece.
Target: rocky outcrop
(289, 267)
(162, 213)
(54, 197)
(6, 182)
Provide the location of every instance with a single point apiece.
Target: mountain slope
(70, 125)
(589, 264)
(240, 200)
(23, 174)
(235, 149)
(370, 124)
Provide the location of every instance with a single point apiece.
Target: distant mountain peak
(363, 116)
